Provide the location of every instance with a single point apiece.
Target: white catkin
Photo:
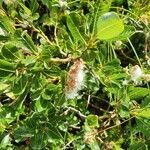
(135, 73)
(75, 79)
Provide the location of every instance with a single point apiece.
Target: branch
(116, 125)
(59, 60)
(75, 111)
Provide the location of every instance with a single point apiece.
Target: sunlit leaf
(6, 22)
(127, 33)
(5, 142)
(138, 92)
(92, 121)
(109, 26)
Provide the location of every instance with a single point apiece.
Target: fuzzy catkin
(75, 79)
(135, 72)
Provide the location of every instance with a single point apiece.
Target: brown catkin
(75, 79)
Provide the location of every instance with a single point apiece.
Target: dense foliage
(74, 74)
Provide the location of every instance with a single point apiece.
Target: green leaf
(146, 102)
(38, 141)
(101, 7)
(6, 22)
(74, 30)
(6, 68)
(4, 38)
(53, 132)
(28, 42)
(124, 112)
(3, 87)
(22, 132)
(23, 40)
(138, 146)
(34, 6)
(145, 112)
(112, 67)
(5, 142)
(127, 33)
(35, 16)
(27, 11)
(6, 118)
(143, 125)
(9, 51)
(20, 84)
(94, 145)
(2, 30)
(138, 92)
(29, 61)
(19, 102)
(109, 26)
(48, 3)
(92, 121)
(113, 63)
(38, 105)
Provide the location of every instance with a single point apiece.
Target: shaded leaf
(38, 141)
(28, 42)
(20, 84)
(9, 51)
(138, 146)
(74, 30)
(34, 6)
(53, 132)
(143, 125)
(21, 133)
(6, 68)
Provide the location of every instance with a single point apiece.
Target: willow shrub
(72, 76)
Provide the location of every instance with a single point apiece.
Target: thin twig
(59, 60)
(93, 96)
(116, 125)
(88, 101)
(76, 111)
(75, 127)
(98, 108)
(137, 57)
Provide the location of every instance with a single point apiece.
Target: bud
(118, 44)
(75, 79)
(63, 4)
(146, 77)
(145, 19)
